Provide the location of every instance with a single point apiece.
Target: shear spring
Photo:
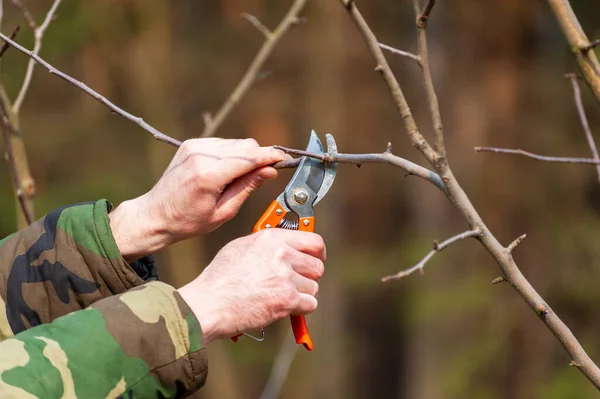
(288, 224)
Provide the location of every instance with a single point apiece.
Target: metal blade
(330, 170)
(308, 178)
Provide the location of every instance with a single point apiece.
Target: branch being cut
(38, 34)
(461, 201)
(537, 157)
(137, 120)
(281, 368)
(580, 44)
(409, 167)
(436, 248)
(212, 124)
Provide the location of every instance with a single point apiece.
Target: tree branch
(258, 25)
(26, 14)
(394, 50)
(434, 106)
(409, 167)
(580, 44)
(415, 136)
(436, 248)
(461, 201)
(212, 124)
(584, 122)
(38, 33)
(591, 45)
(545, 158)
(137, 120)
(5, 45)
(17, 183)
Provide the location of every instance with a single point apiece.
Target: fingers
(308, 243)
(305, 304)
(237, 192)
(308, 267)
(305, 285)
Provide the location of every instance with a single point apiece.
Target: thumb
(238, 191)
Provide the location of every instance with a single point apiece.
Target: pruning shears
(311, 181)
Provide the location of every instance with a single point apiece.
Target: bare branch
(18, 184)
(258, 25)
(415, 136)
(5, 45)
(434, 106)
(291, 18)
(411, 168)
(137, 120)
(436, 248)
(516, 242)
(461, 201)
(281, 368)
(26, 14)
(579, 43)
(584, 122)
(394, 50)
(545, 158)
(591, 45)
(424, 16)
(38, 34)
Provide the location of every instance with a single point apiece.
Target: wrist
(134, 231)
(209, 318)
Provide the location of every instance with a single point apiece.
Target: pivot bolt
(300, 196)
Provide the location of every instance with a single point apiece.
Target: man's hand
(204, 186)
(256, 280)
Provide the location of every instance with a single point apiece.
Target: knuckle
(319, 269)
(251, 142)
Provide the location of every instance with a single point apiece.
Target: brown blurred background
(498, 67)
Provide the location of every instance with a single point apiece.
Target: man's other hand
(256, 280)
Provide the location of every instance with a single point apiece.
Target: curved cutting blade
(330, 170)
(309, 176)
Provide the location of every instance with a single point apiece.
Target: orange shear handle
(270, 219)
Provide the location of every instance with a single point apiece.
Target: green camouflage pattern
(61, 263)
(144, 343)
(134, 341)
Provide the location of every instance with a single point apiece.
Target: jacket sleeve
(61, 263)
(144, 343)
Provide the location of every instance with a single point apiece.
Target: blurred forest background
(498, 68)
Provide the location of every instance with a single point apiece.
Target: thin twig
(291, 18)
(436, 248)
(26, 14)
(38, 34)
(409, 167)
(415, 136)
(8, 132)
(434, 106)
(591, 45)
(403, 53)
(281, 368)
(5, 45)
(257, 24)
(424, 16)
(584, 121)
(137, 120)
(457, 196)
(537, 157)
(516, 242)
(579, 43)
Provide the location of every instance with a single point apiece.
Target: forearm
(61, 263)
(143, 343)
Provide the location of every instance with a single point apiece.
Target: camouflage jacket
(76, 321)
